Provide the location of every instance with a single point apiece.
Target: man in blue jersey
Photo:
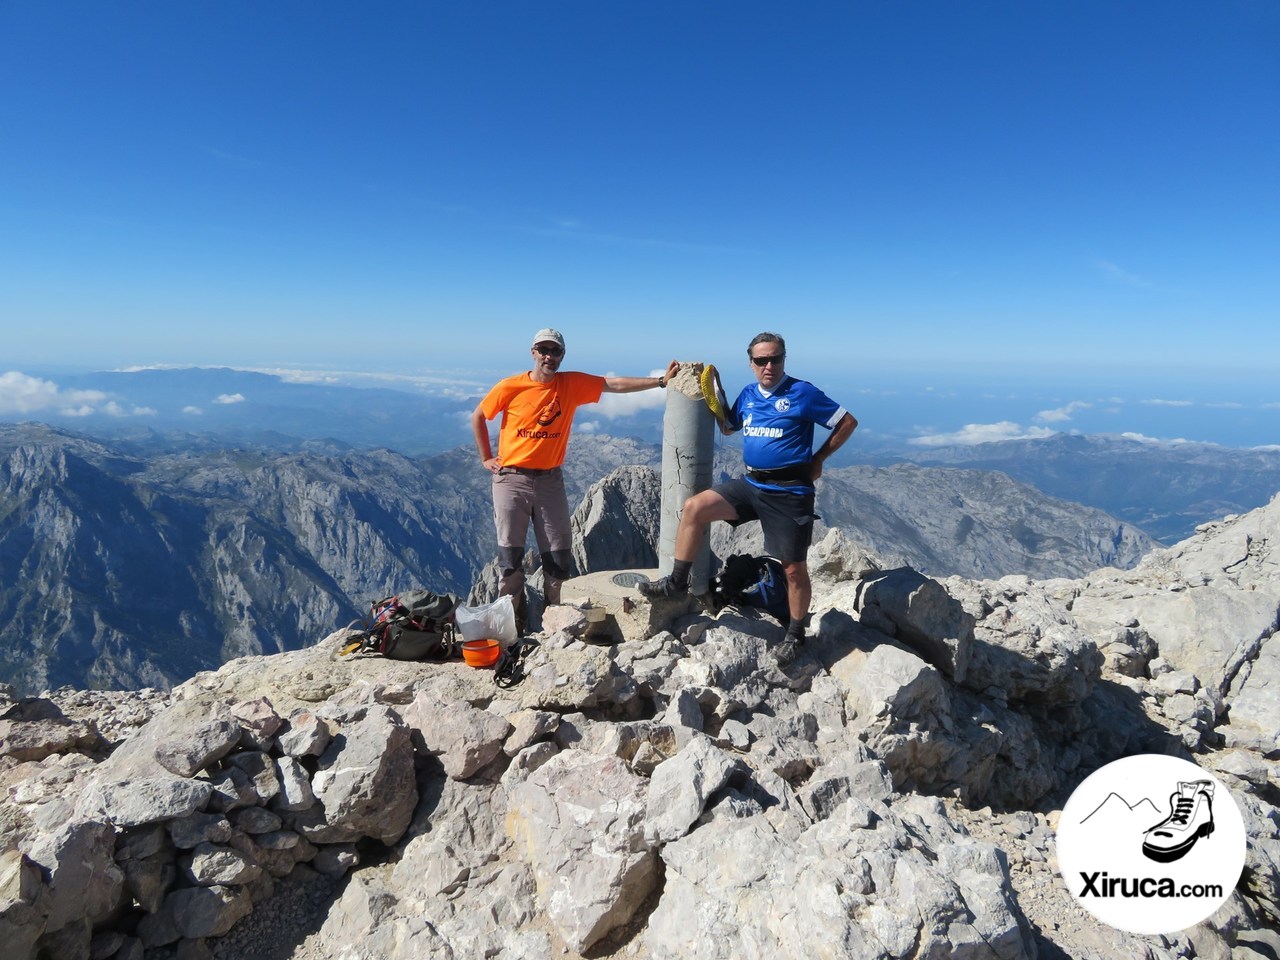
(776, 415)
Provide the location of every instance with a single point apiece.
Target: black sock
(680, 573)
(795, 630)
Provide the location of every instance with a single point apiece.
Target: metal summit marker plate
(629, 578)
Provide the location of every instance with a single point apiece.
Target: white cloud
(1168, 403)
(229, 398)
(193, 411)
(454, 385)
(1063, 413)
(1143, 438)
(23, 394)
(625, 404)
(974, 433)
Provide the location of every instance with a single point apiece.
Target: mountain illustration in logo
(1116, 810)
(550, 413)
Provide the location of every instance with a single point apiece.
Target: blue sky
(1078, 198)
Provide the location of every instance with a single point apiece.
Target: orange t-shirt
(536, 417)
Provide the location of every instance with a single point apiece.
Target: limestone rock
(193, 913)
(295, 786)
(837, 883)
(1027, 645)
(364, 783)
(304, 735)
(579, 821)
(187, 754)
(83, 880)
(680, 788)
(616, 525)
(211, 865)
(36, 739)
(922, 614)
(465, 739)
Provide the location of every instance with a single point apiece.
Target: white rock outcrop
(892, 793)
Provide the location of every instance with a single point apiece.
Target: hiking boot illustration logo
(1190, 818)
(550, 413)
(1127, 858)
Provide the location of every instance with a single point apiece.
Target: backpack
(752, 582)
(414, 625)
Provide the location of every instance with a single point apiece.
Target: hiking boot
(662, 587)
(786, 652)
(1191, 818)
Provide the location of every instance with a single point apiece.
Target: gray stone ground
(894, 793)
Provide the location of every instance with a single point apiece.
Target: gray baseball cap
(547, 335)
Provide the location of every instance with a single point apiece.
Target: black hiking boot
(662, 587)
(785, 653)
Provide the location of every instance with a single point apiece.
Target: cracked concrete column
(688, 452)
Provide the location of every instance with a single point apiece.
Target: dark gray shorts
(785, 518)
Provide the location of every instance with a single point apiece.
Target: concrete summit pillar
(688, 453)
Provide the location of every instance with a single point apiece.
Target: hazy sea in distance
(918, 407)
(896, 407)
(893, 408)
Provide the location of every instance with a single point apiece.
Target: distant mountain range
(1167, 489)
(1164, 488)
(123, 568)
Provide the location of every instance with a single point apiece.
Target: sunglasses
(549, 351)
(762, 361)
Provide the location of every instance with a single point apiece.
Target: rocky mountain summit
(123, 570)
(893, 793)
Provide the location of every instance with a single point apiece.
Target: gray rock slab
(579, 823)
(466, 739)
(304, 735)
(681, 787)
(187, 753)
(922, 614)
(364, 783)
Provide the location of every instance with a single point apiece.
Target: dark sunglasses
(549, 351)
(775, 358)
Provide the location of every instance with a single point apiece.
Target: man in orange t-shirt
(537, 412)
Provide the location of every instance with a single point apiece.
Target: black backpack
(752, 582)
(415, 625)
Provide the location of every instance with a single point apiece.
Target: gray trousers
(524, 497)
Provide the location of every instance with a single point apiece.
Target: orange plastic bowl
(481, 653)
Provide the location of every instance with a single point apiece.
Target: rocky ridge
(894, 793)
(123, 570)
(1165, 488)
